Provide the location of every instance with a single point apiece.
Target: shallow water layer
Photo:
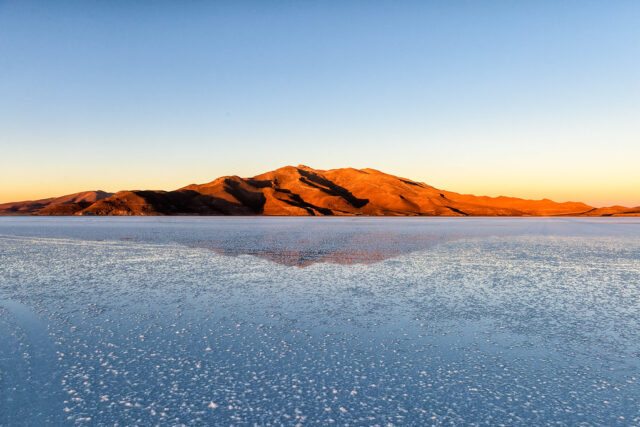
(318, 320)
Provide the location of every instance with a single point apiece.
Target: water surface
(316, 320)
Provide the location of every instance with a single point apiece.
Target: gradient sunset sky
(523, 98)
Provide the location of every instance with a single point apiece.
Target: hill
(302, 190)
(65, 205)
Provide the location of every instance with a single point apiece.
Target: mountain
(614, 211)
(65, 205)
(302, 190)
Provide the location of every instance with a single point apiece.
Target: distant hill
(302, 190)
(65, 205)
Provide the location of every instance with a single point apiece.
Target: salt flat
(349, 320)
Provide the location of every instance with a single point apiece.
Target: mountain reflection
(336, 248)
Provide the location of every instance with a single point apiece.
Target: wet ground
(318, 320)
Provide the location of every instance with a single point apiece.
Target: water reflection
(303, 241)
(334, 248)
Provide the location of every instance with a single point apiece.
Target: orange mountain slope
(65, 205)
(305, 191)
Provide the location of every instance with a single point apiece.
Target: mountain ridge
(304, 191)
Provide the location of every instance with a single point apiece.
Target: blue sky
(532, 99)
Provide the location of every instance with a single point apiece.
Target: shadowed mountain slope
(302, 190)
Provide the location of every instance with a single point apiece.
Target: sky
(523, 98)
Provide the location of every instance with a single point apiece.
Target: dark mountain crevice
(457, 210)
(330, 188)
(296, 200)
(254, 200)
(256, 183)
